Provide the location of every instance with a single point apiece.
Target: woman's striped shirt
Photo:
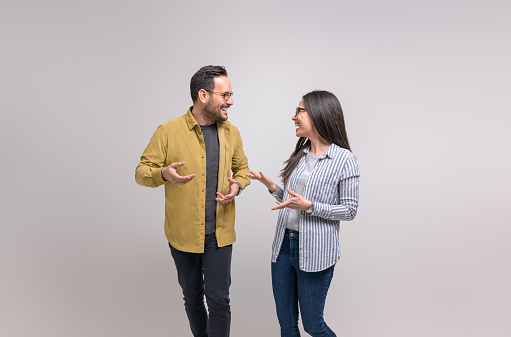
(332, 186)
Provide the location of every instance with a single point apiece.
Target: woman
(321, 181)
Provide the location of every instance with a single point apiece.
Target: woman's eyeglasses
(298, 110)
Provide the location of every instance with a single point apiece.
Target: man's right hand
(170, 173)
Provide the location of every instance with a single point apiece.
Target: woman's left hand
(295, 202)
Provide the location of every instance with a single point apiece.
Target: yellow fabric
(179, 140)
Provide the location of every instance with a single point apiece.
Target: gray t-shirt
(293, 218)
(210, 133)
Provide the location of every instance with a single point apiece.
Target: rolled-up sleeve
(148, 171)
(278, 194)
(239, 161)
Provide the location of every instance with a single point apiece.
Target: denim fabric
(294, 288)
(208, 274)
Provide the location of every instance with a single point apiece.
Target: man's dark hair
(204, 79)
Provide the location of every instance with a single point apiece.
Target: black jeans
(209, 274)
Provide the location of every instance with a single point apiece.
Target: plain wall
(425, 91)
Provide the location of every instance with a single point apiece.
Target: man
(193, 156)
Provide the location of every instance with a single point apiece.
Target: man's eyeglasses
(226, 95)
(298, 110)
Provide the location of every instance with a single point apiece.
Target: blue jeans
(207, 275)
(293, 287)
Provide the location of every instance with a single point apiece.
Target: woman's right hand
(263, 179)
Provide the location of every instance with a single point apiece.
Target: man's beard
(212, 113)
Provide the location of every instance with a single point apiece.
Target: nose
(230, 101)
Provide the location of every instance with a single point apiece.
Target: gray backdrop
(425, 89)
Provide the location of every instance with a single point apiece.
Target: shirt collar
(190, 121)
(328, 153)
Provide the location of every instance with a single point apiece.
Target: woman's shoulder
(345, 160)
(341, 153)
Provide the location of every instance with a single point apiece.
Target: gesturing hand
(170, 173)
(295, 202)
(263, 179)
(233, 190)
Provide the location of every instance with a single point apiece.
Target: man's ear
(203, 96)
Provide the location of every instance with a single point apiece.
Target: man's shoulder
(229, 126)
(174, 122)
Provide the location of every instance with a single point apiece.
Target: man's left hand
(233, 190)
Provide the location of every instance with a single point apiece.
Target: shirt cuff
(157, 177)
(278, 194)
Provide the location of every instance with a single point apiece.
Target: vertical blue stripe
(333, 187)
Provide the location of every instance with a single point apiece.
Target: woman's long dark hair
(326, 114)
